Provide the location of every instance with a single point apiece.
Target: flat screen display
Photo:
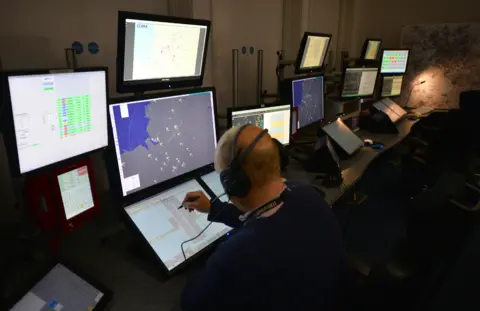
(58, 116)
(372, 50)
(343, 136)
(394, 61)
(389, 112)
(76, 191)
(213, 182)
(308, 98)
(161, 138)
(160, 49)
(275, 119)
(315, 51)
(391, 86)
(359, 82)
(164, 226)
(60, 289)
(394, 106)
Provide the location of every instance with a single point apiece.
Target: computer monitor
(308, 99)
(394, 61)
(160, 137)
(160, 52)
(274, 118)
(56, 116)
(76, 191)
(343, 136)
(359, 82)
(61, 288)
(312, 52)
(391, 86)
(371, 49)
(165, 226)
(389, 112)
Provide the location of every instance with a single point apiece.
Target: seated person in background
(286, 252)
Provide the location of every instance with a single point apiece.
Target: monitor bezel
(394, 73)
(9, 132)
(114, 171)
(159, 84)
(383, 80)
(230, 112)
(296, 108)
(342, 83)
(145, 245)
(45, 268)
(365, 47)
(301, 51)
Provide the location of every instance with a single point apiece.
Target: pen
(191, 199)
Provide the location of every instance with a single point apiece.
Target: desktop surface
(359, 82)
(76, 191)
(60, 289)
(308, 100)
(165, 227)
(276, 119)
(58, 116)
(161, 138)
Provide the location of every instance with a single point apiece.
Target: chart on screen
(76, 191)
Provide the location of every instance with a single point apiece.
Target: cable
(204, 229)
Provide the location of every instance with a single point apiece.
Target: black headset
(234, 180)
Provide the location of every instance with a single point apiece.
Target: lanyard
(256, 213)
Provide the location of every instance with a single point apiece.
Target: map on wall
(447, 57)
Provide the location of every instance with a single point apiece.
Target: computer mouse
(378, 147)
(368, 142)
(413, 118)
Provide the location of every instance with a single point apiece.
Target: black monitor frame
(342, 83)
(112, 165)
(301, 51)
(394, 73)
(365, 47)
(231, 110)
(382, 80)
(9, 125)
(159, 84)
(46, 268)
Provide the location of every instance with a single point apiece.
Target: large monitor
(359, 82)
(61, 288)
(56, 116)
(371, 49)
(343, 136)
(391, 86)
(308, 99)
(394, 61)
(312, 52)
(159, 52)
(163, 136)
(165, 226)
(275, 118)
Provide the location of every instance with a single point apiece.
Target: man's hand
(197, 201)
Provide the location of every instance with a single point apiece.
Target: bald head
(262, 165)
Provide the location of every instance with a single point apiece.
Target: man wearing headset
(286, 252)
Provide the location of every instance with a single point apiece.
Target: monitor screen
(389, 112)
(394, 61)
(359, 82)
(313, 49)
(60, 289)
(343, 136)
(275, 119)
(160, 138)
(308, 96)
(159, 49)
(165, 226)
(372, 49)
(76, 191)
(391, 86)
(212, 180)
(58, 116)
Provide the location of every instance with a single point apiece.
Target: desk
(354, 167)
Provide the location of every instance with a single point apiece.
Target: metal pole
(235, 77)
(259, 76)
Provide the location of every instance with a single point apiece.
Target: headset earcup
(235, 183)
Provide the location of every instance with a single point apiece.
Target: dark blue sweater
(292, 260)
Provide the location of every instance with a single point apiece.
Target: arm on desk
(225, 213)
